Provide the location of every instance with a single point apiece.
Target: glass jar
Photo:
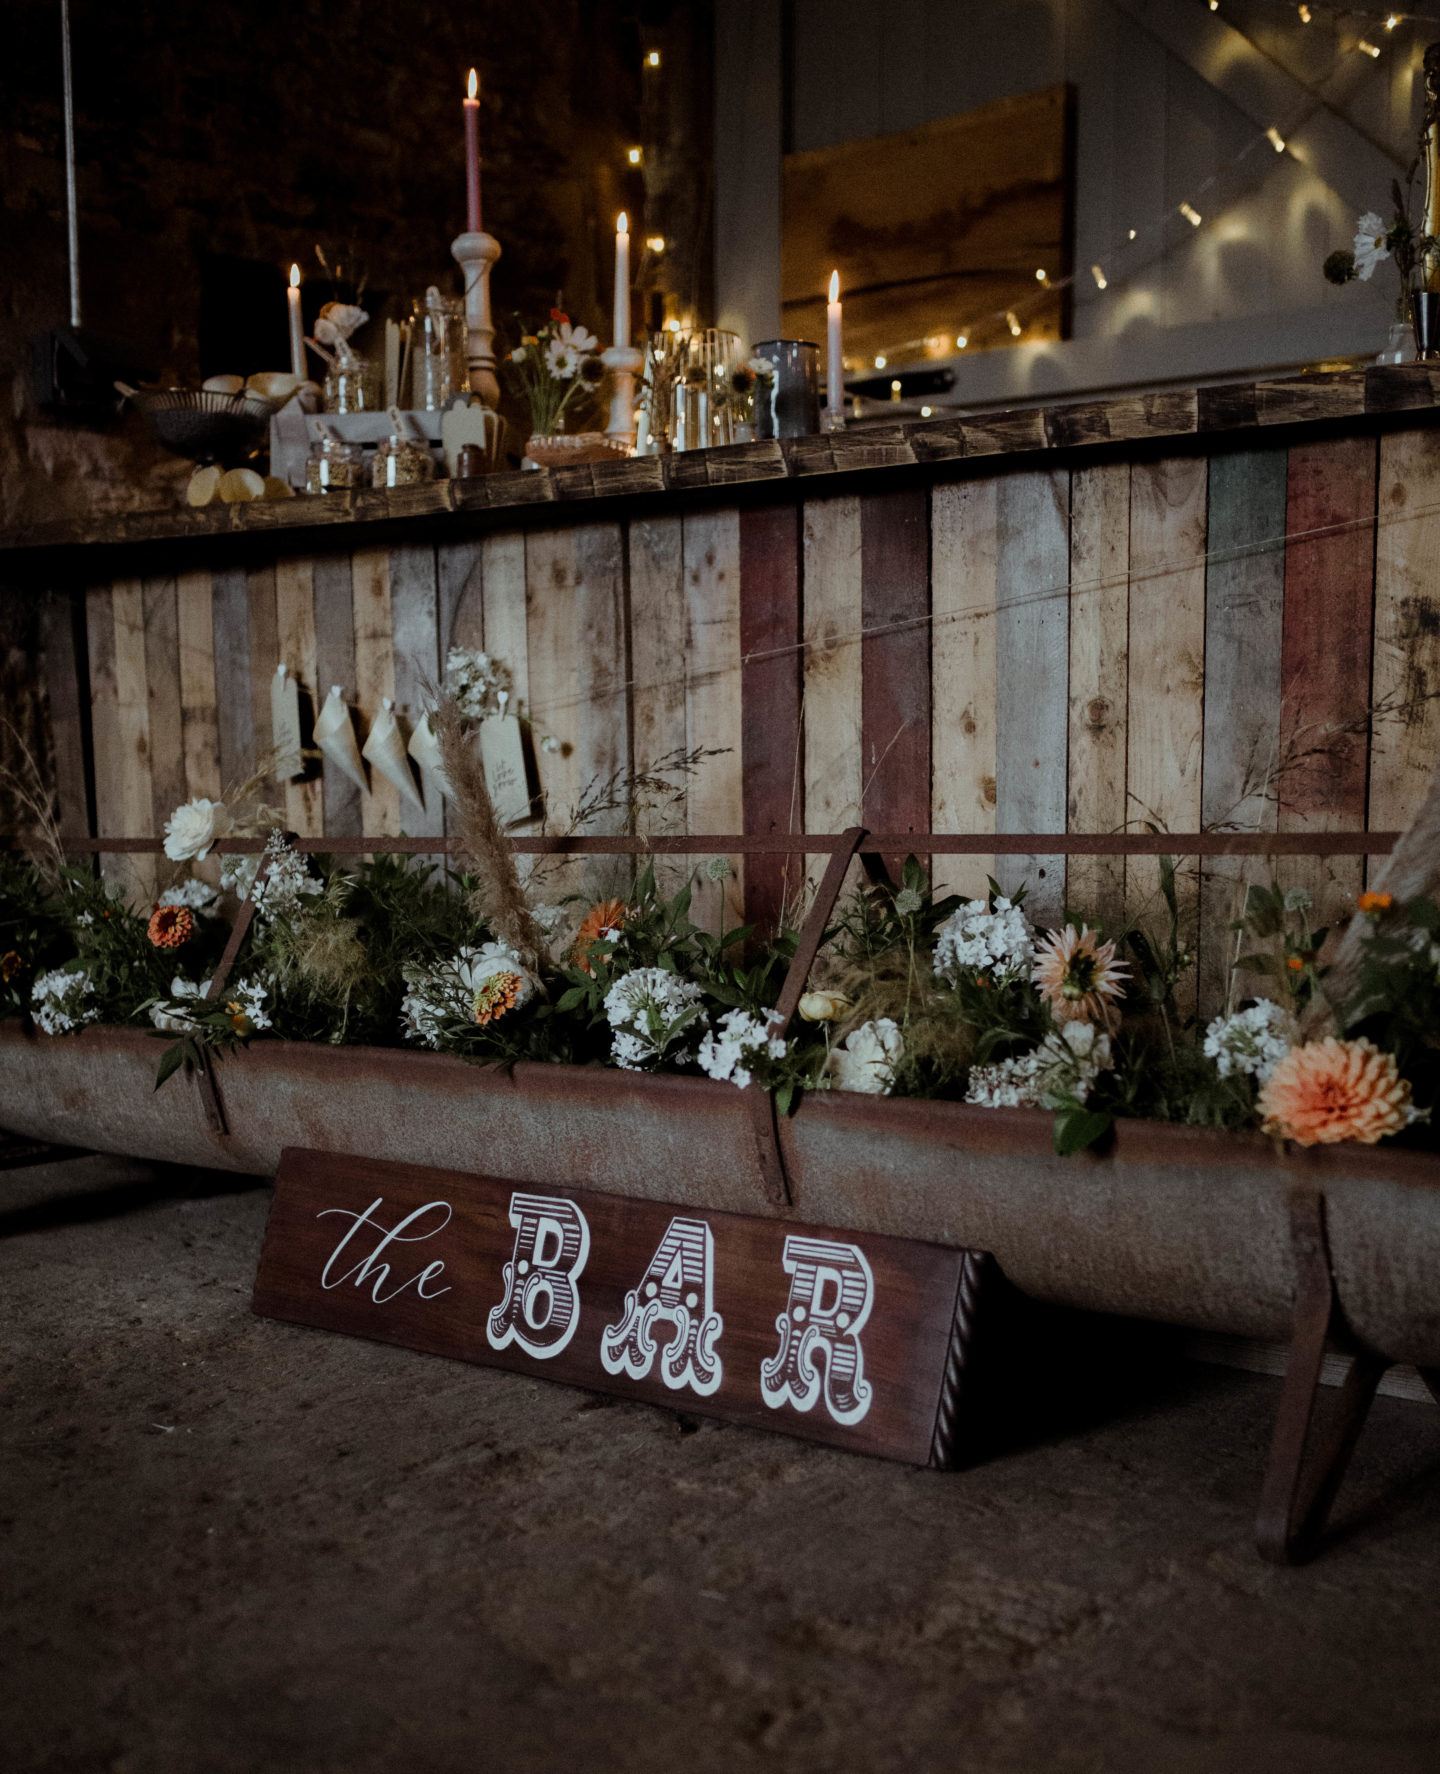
(439, 352)
(352, 384)
(399, 462)
(787, 402)
(705, 407)
(334, 466)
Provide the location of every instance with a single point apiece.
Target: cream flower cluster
(997, 941)
(867, 1059)
(740, 1042)
(249, 997)
(449, 989)
(1252, 1042)
(198, 895)
(653, 1015)
(287, 880)
(61, 1001)
(1065, 1064)
(481, 685)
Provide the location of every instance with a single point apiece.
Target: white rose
(193, 828)
(822, 1007)
(867, 1061)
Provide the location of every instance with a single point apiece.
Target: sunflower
(499, 993)
(1335, 1090)
(1078, 976)
(605, 918)
(171, 925)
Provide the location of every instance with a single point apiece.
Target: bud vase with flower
(557, 371)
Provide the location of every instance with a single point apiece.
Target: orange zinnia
(1078, 976)
(1335, 1090)
(10, 965)
(605, 918)
(496, 996)
(1375, 902)
(171, 925)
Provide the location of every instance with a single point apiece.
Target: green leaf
(170, 1062)
(784, 1096)
(572, 999)
(1075, 1129)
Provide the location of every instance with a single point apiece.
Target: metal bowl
(205, 426)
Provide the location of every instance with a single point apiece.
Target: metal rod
(72, 218)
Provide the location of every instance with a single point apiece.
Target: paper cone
(385, 749)
(425, 749)
(335, 735)
(285, 725)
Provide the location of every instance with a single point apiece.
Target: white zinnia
(997, 941)
(1370, 247)
(192, 828)
(1252, 1042)
(741, 1040)
(867, 1061)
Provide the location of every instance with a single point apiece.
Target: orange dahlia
(1335, 1090)
(605, 918)
(10, 965)
(1078, 975)
(171, 925)
(499, 993)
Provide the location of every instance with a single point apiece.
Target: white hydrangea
(481, 685)
(287, 880)
(62, 1001)
(249, 997)
(198, 895)
(997, 941)
(464, 986)
(653, 1015)
(1065, 1064)
(1252, 1042)
(741, 1040)
(867, 1060)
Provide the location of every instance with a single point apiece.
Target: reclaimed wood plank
(657, 673)
(264, 657)
(332, 583)
(711, 544)
(135, 807)
(62, 630)
(895, 663)
(374, 676)
(460, 596)
(602, 730)
(772, 759)
(1244, 599)
(234, 707)
(297, 648)
(1099, 679)
(415, 631)
(503, 600)
(1165, 714)
(1327, 646)
(165, 717)
(105, 721)
(963, 522)
(198, 712)
(833, 685)
(1406, 692)
(1032, 662)
(554, 670)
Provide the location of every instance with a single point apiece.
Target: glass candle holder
(439, 352)
(705, 397)
(787, 402)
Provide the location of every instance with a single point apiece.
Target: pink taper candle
(834, 357)
(472, 155)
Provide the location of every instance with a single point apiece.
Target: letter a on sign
(677, 1288)
(831, 1293)
(541, 1308)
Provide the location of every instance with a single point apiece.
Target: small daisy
(1078, 976)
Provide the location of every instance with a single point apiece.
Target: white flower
(568, 346)
(476, 985)
(61, 1001)
(761, 367)
(170, 1015)
(336, 322)
(287, 880)
(822, 1007)
(192, 828)
(1370, 247)
(481, 685)
(652, 1012)
(1252, 1042)
(717, 869)
(198, 895)
(1064, 1065)
(997, 941)
(867, 1061)
(742, 1040)
(241, 997)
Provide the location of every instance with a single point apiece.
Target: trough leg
(1431, 1377)
(1295, 1502)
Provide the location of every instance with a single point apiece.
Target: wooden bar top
(1317, 399)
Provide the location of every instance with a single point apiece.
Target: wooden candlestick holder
(476, 255)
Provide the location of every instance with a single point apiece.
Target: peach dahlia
(1335, 1090)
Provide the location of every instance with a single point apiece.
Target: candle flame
(622, 223)
(834, 286)
(472, 85)
(294, 277)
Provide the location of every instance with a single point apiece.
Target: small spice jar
(399, 462)
(334, 466)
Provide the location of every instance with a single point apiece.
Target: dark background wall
(217, 143)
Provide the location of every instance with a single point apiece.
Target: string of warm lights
(937, 345)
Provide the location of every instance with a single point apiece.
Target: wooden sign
(840, 1337)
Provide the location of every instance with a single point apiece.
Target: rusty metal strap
(206, 1080)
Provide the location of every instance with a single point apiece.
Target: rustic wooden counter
(1192, 608)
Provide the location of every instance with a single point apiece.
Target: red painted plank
(771, 764)
(895, 662)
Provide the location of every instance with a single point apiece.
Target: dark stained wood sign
(841, 1337)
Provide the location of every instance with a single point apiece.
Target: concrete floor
(234, 1545)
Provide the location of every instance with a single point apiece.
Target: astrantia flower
(1336, 1090)
(1252, 1042)
(866, 1062)
(1370, 245)
(741, 1042)
(192, 828)
(1065, 1065)
(62, 1001)
(996, 941)
(654, 1016)
(604, 919)
(170, 926)
(1078, 976)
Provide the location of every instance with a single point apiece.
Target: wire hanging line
(1276, 137)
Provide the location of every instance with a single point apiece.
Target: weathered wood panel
(374, 675)
(602, 672)
(296, 644)
(712, 699)
(264, 634)
(198, 715)
(165, 722)
(657, 696)
(895, 663)
(1406, 692)
(772, 763)
(333, 585)
(132, 734)
(109, 766)
(832, 671)
(415, 620)
(64, 721)
(963, 523)
(234, 706)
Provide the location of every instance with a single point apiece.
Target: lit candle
(472, 155)
(622, 279)
(834, 364)
(297, 329)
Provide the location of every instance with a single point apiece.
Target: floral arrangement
(555, 368)
(912, 994)
(1377, 240)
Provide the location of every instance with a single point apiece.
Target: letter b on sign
(541, 1307)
